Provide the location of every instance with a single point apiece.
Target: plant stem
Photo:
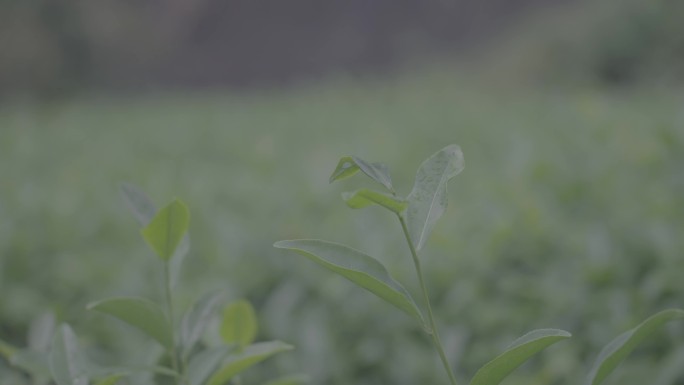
(433, 327)
(169, 308)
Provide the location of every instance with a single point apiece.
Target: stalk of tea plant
(417, 215)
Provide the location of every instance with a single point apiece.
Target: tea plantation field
(569, 214)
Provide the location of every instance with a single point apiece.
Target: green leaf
(138, 203)
(196, 319)
(40, 333)
(428, 199)
(357, 267)
(140, 313)
(365, 197)
(144, 210)
(205, 363)
(111, 380)
(239, 325)
(249, 357)
(66, 362)
(520, 351)
(618, 349)
(295, 379)
(167, 229)
(350, 165)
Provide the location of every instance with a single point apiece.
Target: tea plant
(54, 354)
(417, 215)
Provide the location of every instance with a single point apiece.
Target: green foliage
(365, 197)
(239, 325)
(428, 199)
(618, 349)
(67, 363)
(55, 353)
(140, 313)
(357, 267)
(350, 165)
(250, 356)
(520, 351)
(567, 216)
(166, 230)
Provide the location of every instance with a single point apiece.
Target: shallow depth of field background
(569, 214)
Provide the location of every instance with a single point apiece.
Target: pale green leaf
(140, 313)
(249, 357)
(203, 364)
(350, 165)
(520, 351)
(239, 324)
(357, 267)
(196, 319)
(618, 349)
(365, 197)
(67, 364)
(167, 229)
(428, 199)
(144, 210)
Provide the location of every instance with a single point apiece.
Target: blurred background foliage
(569, 213)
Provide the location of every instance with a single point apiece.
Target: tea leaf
(365, 197)
(239, 325)
(166, 230)
(252, 355)
(520, 351)
(350, 165)
(140, 313)
(66, 362)
(428, 199)
(357, 267)
(618, 349)
(196, 319)
(203, 364)
(144, 210)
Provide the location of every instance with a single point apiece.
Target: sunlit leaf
(167, 229)
(520, 351)
(203, 364)
(196, 319)
(428, 199)
(618, 349)
(365, 197)
(357, 267)
(140, 313)
(66, 361)
(144, 210)
(249, 357)
(350, 165)
(239, 324)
